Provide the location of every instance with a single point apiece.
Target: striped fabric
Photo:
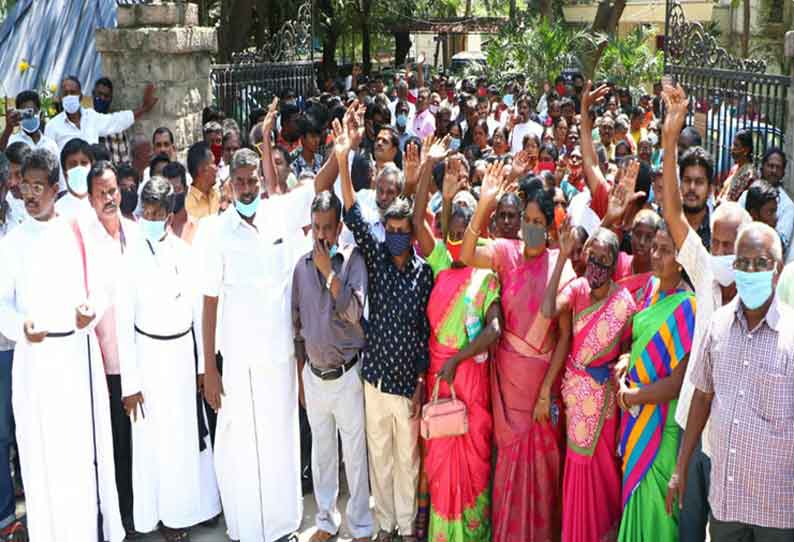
(663, 334)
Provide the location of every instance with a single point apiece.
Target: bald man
(743, 387)
(712, 275)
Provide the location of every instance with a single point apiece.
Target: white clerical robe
(172, 480)
(257, 444)
(41, 279)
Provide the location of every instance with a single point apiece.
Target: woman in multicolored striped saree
(650, 379)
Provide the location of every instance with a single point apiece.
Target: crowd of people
(513, 314)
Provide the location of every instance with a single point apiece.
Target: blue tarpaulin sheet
(56, 38)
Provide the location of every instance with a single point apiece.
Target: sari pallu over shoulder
(662, 333)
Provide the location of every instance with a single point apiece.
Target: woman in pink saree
(602, 311)
(525, 403)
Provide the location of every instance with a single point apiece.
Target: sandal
(174, 535)
(385, 536)
(15, 532)
(321, 536)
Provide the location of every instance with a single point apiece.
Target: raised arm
(543, 402)
(420, 71)
(493, 186)
(677, 105)
(592, 171)
(451, 186)
(325, 178)
(424, 234)
(553, 303)
(266, 150)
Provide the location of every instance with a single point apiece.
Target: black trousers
(122, 447)
(726, 531)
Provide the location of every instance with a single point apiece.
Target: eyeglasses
(35, 189)
(761, 263)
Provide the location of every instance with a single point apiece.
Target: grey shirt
(331, 328)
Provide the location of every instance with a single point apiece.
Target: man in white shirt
(87, 124)
(52, 292)
(109, 236)
(16, 154)
(250, 252)
(522, 125)
(76, 161)
(713, 279)
(160, 325)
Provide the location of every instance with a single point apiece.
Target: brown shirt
(331, 328)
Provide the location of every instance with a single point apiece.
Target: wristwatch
(331, 276)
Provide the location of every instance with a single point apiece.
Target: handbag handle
(435, 391)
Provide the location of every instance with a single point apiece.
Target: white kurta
(257, 444)
(172, 480)
(41, 279)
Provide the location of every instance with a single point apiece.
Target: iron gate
(251, 80)
(727, 94)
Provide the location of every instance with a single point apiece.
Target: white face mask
(71, 104)
(77, 179)
(722, 267)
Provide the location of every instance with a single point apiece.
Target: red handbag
(443, 417)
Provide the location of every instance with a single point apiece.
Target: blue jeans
(695, 512)
(7, 501)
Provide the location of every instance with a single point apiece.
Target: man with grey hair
(743, 387)
(249, 254)
(160, 349)
(396, 354)
(713, 278)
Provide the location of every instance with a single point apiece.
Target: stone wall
(160, 43)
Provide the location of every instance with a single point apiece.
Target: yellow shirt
(198, 204)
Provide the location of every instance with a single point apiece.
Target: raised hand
(591, 97)
(270, 119)
(453, 183)
(494, 184)
(437, 149)
(567, 241)
(522, 164)
(411, 163)
(342, 143)
(677, 105)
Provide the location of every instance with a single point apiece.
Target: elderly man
(88, 124)
(713, 278)
(743, 385)
(250, 252)
(161, 355)
(52, 291)
(329, 289)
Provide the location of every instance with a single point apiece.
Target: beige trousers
(393, 441)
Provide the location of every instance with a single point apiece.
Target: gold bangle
(469, 229)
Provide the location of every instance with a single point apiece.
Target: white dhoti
(171, 481)
(52, 409)
(257, 451)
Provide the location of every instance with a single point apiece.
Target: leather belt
(164, 337)
(59, 334)
(333, 374)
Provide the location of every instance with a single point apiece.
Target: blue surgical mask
(31, 125)
(402, 120)
(754, 289)
(77, 179)
(507, 99)
(247, 209)
(101, 105)
(454, 144)
(71, 104)
(153, 230)
(397, 242)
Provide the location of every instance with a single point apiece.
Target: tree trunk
(402, 46)
(236, 22)
(745, 28)
(512, 11)
(468, 8)
(606, 22)
(366, 41)
(330, 38)
(545, 8)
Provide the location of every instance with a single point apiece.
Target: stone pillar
(789, 128)
(160, 43)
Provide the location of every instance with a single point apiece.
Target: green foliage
(538, 47)
(629, 62)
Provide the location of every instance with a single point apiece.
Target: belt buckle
(326, 373)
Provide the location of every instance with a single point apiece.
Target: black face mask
(179, 202)
(129, 201)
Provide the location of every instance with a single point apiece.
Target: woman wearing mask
(650, 378)
(456, 135)
(528, 359)
(741, 175)
(601, 312)
(463, 312)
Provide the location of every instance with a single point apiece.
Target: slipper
(321, 536)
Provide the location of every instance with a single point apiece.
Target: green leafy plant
(629, 61)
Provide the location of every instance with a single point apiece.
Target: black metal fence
(241, 88)
(727, 94)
